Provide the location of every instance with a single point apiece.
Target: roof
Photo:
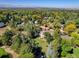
(2, 24)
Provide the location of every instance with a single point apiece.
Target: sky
(40, 3)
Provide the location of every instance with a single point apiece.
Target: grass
(3, 52)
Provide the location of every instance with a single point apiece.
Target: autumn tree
(70, 27)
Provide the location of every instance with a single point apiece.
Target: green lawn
(3, 53)
(42, 43)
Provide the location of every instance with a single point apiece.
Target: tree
(56, 24)
(25, 48)
(1, 17)
(48, 37)
(32, 30)
(75, 38)
(8, 17)
(37, 51)
(75, 35)
(16, 43)
(25, 51)
(76, 52)
(77, 21)
(15, 21)
(27, 55)
(7, 38)
(70, 27)
(66, 49)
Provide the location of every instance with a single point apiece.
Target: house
(45, 29)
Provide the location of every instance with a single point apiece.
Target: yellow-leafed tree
(69, 28)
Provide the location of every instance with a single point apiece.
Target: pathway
(9, 50)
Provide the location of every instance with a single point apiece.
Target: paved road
(49, 51)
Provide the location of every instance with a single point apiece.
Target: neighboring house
(2, 24)
(62, 29)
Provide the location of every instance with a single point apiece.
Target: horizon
(40, 3)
